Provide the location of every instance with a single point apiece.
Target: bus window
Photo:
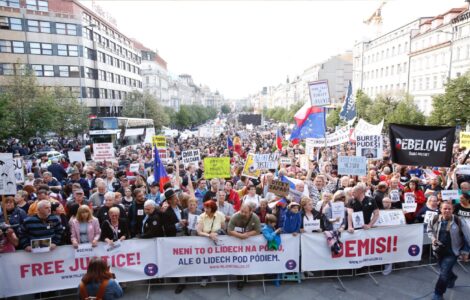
(102, 138)
(103, 123)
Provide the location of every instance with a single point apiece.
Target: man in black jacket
(174, 219)
(152, 224)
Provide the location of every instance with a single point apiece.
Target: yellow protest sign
(159, 141)
(250, 169)
(216, 167)
(465, 139)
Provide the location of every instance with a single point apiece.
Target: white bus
(122, 132)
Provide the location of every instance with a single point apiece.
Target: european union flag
(313, 127)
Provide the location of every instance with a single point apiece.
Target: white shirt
(252, 200)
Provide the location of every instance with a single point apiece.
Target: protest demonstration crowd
(243, 183)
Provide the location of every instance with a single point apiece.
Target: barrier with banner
(231, 256)
(375, 246)
(27, 273)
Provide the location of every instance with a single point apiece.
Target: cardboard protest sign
(369, 146)
(159, 141)
(352, 165)
(134, 168)
(190, 156)
(319, 93)
(76, 156)
(340, 136)
(390, 217)
(266, 161)
(450, 194)
(103, 151)
(8, 179)
(421, 145)
(250, 170)
(463, 170)
(337, 210)
(279, 188)
(285, 161)
(304, 162)
(216, 167)
(358, 219)
(410, 204)
(365, 128)
(429, 216)
(19, 169)
(464, 139)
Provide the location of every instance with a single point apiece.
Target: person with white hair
(152, 225)
(103, 212)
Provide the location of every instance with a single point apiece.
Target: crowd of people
(90, 202)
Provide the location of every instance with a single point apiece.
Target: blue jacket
(16, 217)
(57, 171)
(112, 291)
(274, 239)
(34, 228)
(292, 222)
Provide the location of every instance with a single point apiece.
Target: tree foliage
(28, 110)
(193, 115)
(282, 114)
(225, 109)
(452, 107)
(144, 105)
(362, 103)
(333, 119)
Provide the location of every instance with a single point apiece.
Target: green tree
(144, 105)
(362, 104)
(225, 109)
(406, 112)
(71, 116)
(333, 119)
(453, 107)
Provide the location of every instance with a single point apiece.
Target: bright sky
(237, 47)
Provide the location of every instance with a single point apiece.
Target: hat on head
(169, 193)
(154, 184)
(293, 203)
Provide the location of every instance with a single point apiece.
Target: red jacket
(234, 199)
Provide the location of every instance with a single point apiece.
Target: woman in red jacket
(420, 199)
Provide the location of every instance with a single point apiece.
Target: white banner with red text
(192, 256)
(26, 273)
(375, 246)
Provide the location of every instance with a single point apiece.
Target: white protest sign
(186, 256)
(450, 194)
(190, 156)
(319, 93)
(84, 250)
(337, 210)
(59, 269)
(409, 207)
(365, 128)
(285, 161)
(304, 162)
(463, 170)
(134, 168)
(390, 217)
(395, 196)
(429, 216)
(363, 248)
(358, 219)
(116, 247)
(410, 198)
(76, 156)
(369, 146)
(192, 221)
(19, 170)
(103, 151)
(311, 225)
(266, 161)
(41, 245)
(7, 171)
(352, 165)
(340, 136)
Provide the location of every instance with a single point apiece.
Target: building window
(5, 46)
(392, 70)
(62, 50)
(427, 83)
(11, 23)
(41, 5)
(90, 92)
(18, 47)
(89, 73)
(35, 48)
(74, 71)
(7, 69)
(10, 3)
(67, 50)
(434, 82)
(37, 69)
(101, 75)
(64, 71)
(39, 26)
(60, 28)
(68, 29)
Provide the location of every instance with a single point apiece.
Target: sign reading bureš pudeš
(421, 145)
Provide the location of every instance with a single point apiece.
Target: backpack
(99, 295)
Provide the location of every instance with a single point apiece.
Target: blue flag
(159, 172)
(348, 111)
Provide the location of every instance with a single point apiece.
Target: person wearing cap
(74, 177)
(154, 193)
(293, 219)
(57, 170)
(174, 219)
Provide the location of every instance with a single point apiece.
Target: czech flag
(229, 143)
(279, 139)
(159, 172)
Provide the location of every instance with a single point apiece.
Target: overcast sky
(237, 47)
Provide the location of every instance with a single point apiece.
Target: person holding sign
(193, 212)
(310, 218)
(364, 204)
(428, 211)
(334, 213)
(84, 227)
(420, 199)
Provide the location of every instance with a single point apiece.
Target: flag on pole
(312, 127)
(279, 139)
(348, 112)
(159, 172)
(229, 143)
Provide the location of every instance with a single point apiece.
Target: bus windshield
(103, 123)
